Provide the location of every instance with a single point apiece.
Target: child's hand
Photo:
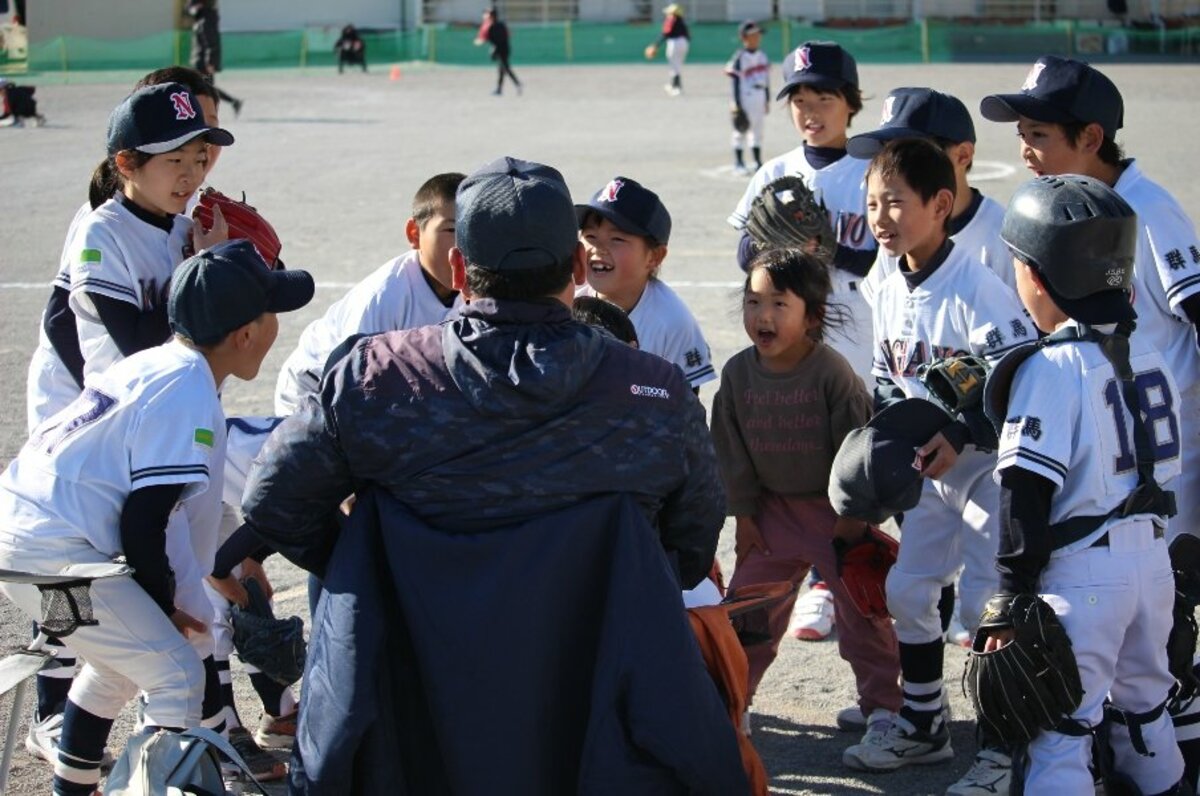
(206, 239)
(230, 588)
(253, 569)
(998, 638)
(748, 537)
(849, 530)
(936, 457)
(186, 623)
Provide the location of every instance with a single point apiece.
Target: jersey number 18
(1157, 404)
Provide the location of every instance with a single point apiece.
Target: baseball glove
(741, 122)
(243, 221)
(274, 646)
(955, 382)
(863, 568)
(650, 51)
(786, 215)
(1031, 683)
(1181, 644)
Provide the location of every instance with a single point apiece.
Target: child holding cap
(624, 229)
(102, 479)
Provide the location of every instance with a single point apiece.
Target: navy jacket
(506, 412)
(545, 658)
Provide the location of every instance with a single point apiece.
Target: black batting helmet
(1076, 231)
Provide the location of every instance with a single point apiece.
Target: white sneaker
(741, 170)
(812, 618)
(44, 735)
(989, 775)
(901, 745)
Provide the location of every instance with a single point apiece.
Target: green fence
(912, 42)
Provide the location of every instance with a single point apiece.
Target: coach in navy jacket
(501, 416)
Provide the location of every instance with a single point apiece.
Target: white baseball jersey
(980, 235)
(752, 69)
(666, 327)
(49, 386)
(151, 419)
(841, 186)
(395, 296)
(1067, 422)
(116, 254)
(1166, 271)
(960, 308)
(245, 438)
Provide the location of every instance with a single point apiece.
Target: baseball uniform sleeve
(97, 267)
(172, 441)
(1037, 435)
(1176, 252)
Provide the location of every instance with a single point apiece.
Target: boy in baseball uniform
(749, 71)
(1090, 431)
(103, 477)
(406, 292)
(941, 301)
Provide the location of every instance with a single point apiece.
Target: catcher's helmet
(1076, 231)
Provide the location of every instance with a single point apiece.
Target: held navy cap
(514, 215)
(631, 207)
(873, 477)
(748, 27)
(824, 65)
(225, 287)
(1063, 91)
(158, 119)
(916, 113)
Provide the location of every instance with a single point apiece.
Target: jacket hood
(524, 358)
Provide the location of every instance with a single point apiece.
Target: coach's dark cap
(873, 476)
(514, 215)
(631, 207)
(916, 113)
(225, 287)
(749, 26)
(1061, 90)
(158, 119)
(823, 65)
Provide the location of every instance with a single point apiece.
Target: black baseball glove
(741, 122)
(1031, 683)
(1181, 644)
(957, 384)
(274, 646)
(786, 215)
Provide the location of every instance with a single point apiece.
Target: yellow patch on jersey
(89, 256)
(203, 436)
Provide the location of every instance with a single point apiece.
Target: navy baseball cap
(631, 207)
(823, 65)
(1063, 91)
(514, 215)
(873, 475)
(749, 26)
(157, 119)
(916, 113)
(225, 287)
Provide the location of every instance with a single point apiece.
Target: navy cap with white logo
(631, 207)
(823, 65)
(916, 113)
(1063, 91)
(158, 119)
(748, 27)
